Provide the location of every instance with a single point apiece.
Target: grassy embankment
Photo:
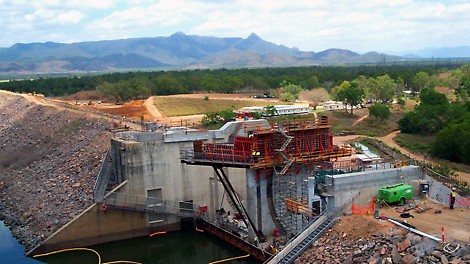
(373, 127)
(182, 106)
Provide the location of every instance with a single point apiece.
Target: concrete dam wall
(147, 165)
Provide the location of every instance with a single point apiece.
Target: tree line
(448, 119)
(134, 85)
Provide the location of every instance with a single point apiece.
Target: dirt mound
(83, 96)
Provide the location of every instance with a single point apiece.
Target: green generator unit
(395, 193)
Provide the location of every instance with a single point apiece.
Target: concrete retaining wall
(345, 188)
(96, 226)
(149, 163)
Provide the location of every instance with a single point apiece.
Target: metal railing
(150, 205)
(102, 180)
(188, 155)
(299, 243)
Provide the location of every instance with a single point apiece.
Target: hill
(178, 51)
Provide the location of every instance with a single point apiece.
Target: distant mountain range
(178, 51)
(445, 52)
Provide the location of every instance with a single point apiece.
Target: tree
(381, 111)
(387, 88)
(453, 143)
(400, 86)
(270, 110)
(337, 89)
(166, 85)
(432, 114)
(311, 83)
(219, 117)
(315, 96)
(107, 90)
(352, 95)
(289, 93)
(368, 85)
(432, 97)
(423, 80)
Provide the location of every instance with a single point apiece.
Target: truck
(395, 193)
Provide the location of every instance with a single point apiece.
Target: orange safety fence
(363, 209)
(462, 201)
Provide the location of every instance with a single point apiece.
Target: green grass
(181, 106)
(370, 126)
(342, 121)
(298, 117)
(418, 143)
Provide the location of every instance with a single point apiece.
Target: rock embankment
(387, 246)
(49, 160)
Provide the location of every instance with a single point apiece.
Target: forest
(133, 85)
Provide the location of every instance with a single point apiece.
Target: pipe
(85, 249)
(69, 249)
(121, 261)
(157, 233)
(414, 230)
(229, 259)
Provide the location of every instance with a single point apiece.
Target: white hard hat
(453, 188)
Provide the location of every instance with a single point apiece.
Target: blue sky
(310, 25)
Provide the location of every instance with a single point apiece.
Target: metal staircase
(286, 143)
(303, 241)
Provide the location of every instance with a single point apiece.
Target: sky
(310, 25)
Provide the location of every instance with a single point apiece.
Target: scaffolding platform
(282, 144)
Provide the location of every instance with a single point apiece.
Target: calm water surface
(174, 247)
(10, 250)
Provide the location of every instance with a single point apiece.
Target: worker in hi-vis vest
(453, 194)
(255, 154)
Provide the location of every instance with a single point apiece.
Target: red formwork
(243, 145)
(304, 142)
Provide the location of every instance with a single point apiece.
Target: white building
(279, 110)
(333, 105)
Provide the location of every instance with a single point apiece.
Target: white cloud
(359, 25)
(54, 17)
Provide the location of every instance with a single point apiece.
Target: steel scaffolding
(287, 151)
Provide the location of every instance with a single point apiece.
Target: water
(173, 247)
(366, 150)
(10, 250)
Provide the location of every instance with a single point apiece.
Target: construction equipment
(395, 193)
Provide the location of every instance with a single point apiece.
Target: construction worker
(255, 154)
(453, 194)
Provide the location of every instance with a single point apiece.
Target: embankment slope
(49, 160)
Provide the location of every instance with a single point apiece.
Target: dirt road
(60, 105)
(388, 140)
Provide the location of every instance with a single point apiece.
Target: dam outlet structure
(259, 186)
